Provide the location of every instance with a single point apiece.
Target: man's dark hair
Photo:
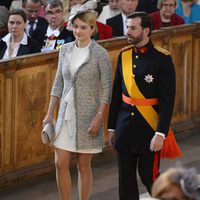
(54, 3)
(19, 12)
(146, 21)
(34, 1)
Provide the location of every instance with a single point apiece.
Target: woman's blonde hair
(89, 18)
(185, 180)
(164, 183)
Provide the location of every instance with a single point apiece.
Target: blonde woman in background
(177, 184)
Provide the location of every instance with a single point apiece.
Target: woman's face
(16, 25)
(82, 31)
(167, 8)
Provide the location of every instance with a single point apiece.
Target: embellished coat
(94, 74)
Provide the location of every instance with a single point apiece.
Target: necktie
(31, 30)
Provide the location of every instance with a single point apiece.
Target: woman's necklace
(11, 48)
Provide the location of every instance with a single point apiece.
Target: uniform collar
(144, 49)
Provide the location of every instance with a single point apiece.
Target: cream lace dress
(66, 139)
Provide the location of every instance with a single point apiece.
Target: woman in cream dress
(83, 69)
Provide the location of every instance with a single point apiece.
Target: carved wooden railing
(25, 84)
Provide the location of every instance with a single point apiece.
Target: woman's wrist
(100, 114)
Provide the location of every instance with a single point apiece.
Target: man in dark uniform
(55, 34)
(141, 106)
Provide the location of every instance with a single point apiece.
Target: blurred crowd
(45, 21)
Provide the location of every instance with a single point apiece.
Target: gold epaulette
(127, 47)
(160, 49)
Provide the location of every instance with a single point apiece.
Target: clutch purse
(48, 134)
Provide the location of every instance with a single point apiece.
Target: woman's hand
(48, 119)
(95, 124)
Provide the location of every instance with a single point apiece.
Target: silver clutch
(48, 134)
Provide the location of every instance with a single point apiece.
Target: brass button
(133, 75)
(132, 113)
(134, 66)
(136, 57)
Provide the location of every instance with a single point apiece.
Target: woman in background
(177, 184)
(16, 42)
(189, 10)
(166, 16)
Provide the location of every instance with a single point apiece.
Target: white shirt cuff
(161, 134)
(112, 130)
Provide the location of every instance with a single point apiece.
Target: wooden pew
(25, 84)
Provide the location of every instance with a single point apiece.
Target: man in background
(119, 22)
(110, 10)
(35, 23)
(55, 34)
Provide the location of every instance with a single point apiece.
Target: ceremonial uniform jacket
(154, 75)
(65, 36)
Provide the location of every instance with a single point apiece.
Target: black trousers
(128, 164)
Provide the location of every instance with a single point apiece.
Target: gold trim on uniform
(162, 50)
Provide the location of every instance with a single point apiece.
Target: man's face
(128, 6)
(114, 4)
(135, 34)
(32, 10)
(54, 16)
(167, 8)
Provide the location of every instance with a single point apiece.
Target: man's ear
(146, 31)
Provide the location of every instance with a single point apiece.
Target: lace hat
(89, 6)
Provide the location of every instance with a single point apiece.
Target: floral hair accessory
(89, 6)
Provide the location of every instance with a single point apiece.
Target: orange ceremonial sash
(170, 147)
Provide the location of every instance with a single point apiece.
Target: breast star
(149, 78)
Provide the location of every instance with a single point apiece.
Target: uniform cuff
(161, 134)
(111, 130)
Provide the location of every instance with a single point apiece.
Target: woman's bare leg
(84, 175)
(62, 162)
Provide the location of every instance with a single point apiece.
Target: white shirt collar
(23, 41)
(55, 32)
(36, 21)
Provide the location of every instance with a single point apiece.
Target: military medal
(149, 78)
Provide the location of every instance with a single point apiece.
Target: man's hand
(157, 143)
(111, 137)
